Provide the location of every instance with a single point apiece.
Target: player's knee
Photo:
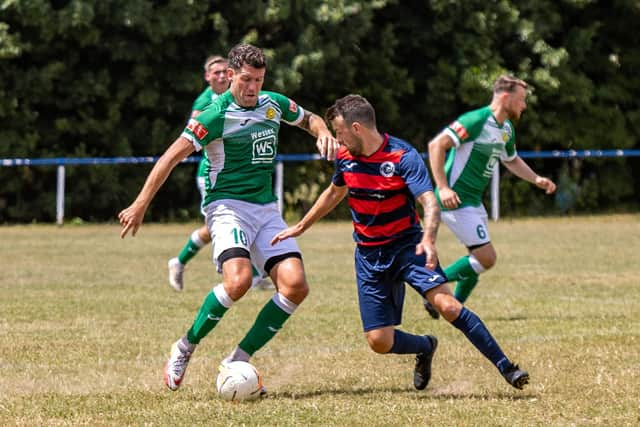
(205, 237)
(237, 284)
(297, 291)
(490, 261)
(486, 257)
(379, 341)
(290, 279)
(449, 307)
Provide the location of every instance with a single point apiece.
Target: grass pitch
(87, 321)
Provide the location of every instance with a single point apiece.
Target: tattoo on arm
(305, 123)
(431, 214)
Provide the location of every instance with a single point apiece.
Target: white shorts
(240, 224)
(469, 224)
(200, 183)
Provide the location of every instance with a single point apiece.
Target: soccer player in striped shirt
(384, 176)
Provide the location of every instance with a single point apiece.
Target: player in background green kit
(215, 74)
(239, 132)
(477, 140)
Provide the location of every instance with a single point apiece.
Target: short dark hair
(244, 53)
(506, 83)
(353, 108)
(213, 59)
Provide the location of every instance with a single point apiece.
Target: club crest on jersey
(387, 169)
(505, 136)
(270, 114)
(197, 129)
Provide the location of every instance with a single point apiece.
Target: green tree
(93, 78)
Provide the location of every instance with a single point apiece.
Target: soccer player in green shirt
(215, 74)
(239, 132)
(477, 140)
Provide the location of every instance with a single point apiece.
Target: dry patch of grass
(86, 322)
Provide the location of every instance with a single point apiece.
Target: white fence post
(60, 196)
(495, 193)
(280, 184)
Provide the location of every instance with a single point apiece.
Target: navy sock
(404, 343)
(476, 332)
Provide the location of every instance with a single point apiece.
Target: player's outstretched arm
(519, 168)
(431, 223)
(131, 217)
(437, 153)
(325, 142)
(327, 201)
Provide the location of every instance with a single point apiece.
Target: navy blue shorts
(381, 272)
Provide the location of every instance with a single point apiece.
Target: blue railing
(61, 162)
(71, 161)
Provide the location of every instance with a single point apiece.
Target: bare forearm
(154, 181)
(431, 220)
(519, 168)
(328, 200)
(437, 153)
(161, 171)
(313, 124)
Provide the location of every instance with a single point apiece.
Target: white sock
(237, 354)
(286, 305)
(195, 238)
(222, 295)
(475, 264)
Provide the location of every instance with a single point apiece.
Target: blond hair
(213, 59)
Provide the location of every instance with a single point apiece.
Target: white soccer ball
(239, 381)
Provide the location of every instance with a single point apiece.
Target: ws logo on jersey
(264, 146)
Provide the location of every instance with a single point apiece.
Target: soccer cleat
(176, 366)
(176, 269)
(422, 371)
(430, 309)
(516, 376)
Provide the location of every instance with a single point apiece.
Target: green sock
(267, 324)
(464, 287)
(466, 277)
(254, 271)
(207, 318)
(188, 251)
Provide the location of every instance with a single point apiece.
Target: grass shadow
(429, 394)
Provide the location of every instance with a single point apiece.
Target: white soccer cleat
(176, 366)
(176, 270)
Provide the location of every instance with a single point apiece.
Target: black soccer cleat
(430, 309)
(516, 376)
(422, 371)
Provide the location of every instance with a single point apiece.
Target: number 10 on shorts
(239, 236)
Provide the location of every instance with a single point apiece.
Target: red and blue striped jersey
(382, 191)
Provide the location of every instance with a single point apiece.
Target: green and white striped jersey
(241, 145)
(480, 141)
